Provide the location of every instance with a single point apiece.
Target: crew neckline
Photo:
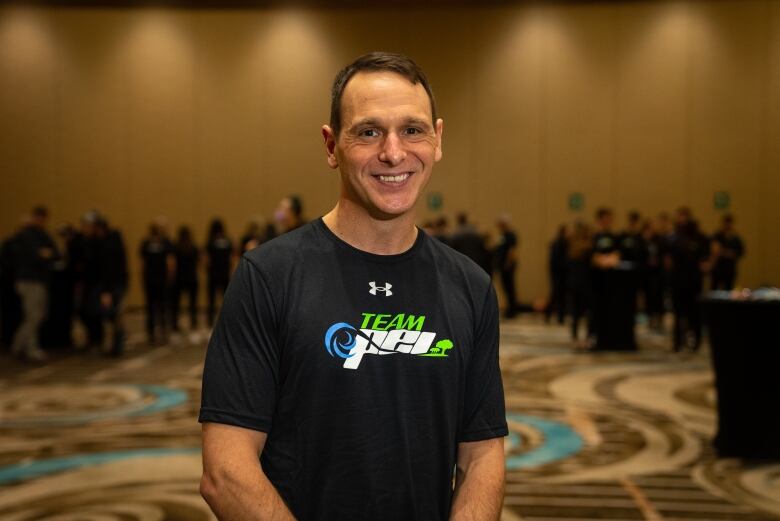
(374, 257)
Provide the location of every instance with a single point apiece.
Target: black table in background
(745, 348)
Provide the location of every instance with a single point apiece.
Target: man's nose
(393, 152)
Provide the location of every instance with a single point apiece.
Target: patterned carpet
(612, 436)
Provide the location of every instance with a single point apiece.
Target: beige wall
(196, 113)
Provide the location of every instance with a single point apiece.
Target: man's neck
(354, 225)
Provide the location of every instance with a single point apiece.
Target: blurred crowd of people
(672, 260)
(82, 272)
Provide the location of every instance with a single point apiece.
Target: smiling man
(355, 355)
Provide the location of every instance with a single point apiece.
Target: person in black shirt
(468, 241)
(252, 238)
(357, 355)
(689, 253)
(727, 249)
(654, 275)
(557, 270)
(505, 258)
(633, 257)
(219, 251)
(289, 214)
(578, 283)
(187, 255)
(157, 255)
(106, 285)
(605, 256)
(34, 252)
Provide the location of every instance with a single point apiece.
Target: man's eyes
(373, 132)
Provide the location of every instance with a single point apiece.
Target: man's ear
(330, 146)
(439, 131)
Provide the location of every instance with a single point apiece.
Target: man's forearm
(243, 494)
(479, 486)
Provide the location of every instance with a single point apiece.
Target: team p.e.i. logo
(383, 334)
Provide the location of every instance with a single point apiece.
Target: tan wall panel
(29, 114)
(727, 105)
(199, 113)
(507, 130)
(769, 271)
(650, 108)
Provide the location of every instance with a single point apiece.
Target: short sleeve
(484, 415)
(241, 372)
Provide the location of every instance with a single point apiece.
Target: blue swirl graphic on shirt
(340, 339)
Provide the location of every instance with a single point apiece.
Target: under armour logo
(384, 289)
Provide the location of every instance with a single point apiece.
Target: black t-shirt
(731, 243)
(186, 264)
(220, 250)
(507, 242)
(154, 252)
(366, 371)
(605, 242)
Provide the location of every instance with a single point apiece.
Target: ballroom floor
(593, 436)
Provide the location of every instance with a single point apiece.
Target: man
(105, 283)
(34, 253)
(688, 254)
(356, 354)
(468, 241)
(505, 257)
(727, 249)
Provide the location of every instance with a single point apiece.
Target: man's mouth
(393, 178)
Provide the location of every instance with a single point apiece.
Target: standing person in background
(253, 236)
(159, 264)
(727, 249)
(112, 285)
(441, 229)
(186, 280)
(688, 253)
(34, 253)
(557, 270)
(289, 214)
(505, 258)
(633, 255)
(654, 278)
(468, 241)
(219, 255)
(578, 283)
(605, 257)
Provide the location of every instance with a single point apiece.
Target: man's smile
(393, 179)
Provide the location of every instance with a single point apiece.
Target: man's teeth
(393, 178)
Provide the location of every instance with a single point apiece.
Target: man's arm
(479, 481)
(233, 483)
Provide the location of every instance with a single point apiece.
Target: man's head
(683, 216)
(289, 212)
(727, 223)
(604, 218)
(39, 216)
(376, 62)
(383, 135)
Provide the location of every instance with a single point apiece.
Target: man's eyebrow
(365, 122)
(420, 122)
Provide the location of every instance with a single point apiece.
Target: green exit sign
(435, 201)
(722, 200)
(576, 202)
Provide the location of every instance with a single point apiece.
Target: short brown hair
(376, 62)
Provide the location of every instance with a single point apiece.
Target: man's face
(387, 145)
